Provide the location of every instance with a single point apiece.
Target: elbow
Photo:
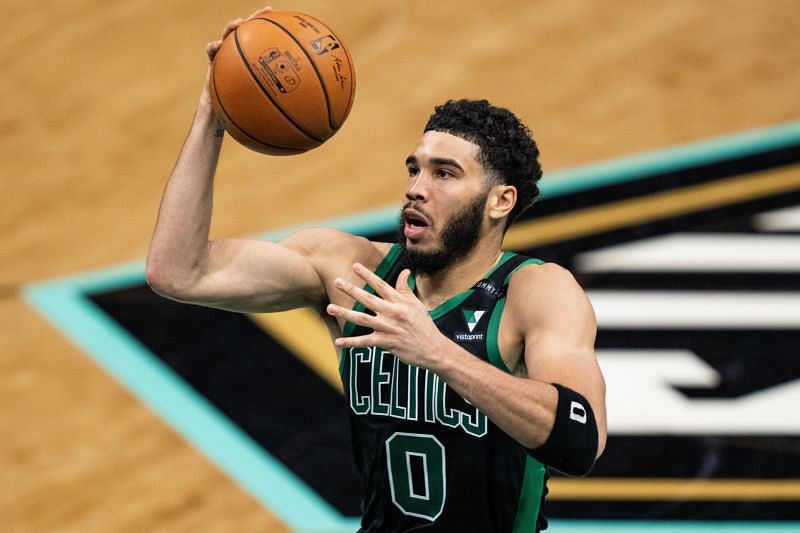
(163, 281)
(601, 441)
(157, 279)
(573, 461)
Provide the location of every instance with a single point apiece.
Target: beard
(459, 237)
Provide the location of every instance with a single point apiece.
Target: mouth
(414, 224)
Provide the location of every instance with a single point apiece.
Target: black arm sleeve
(572, 445)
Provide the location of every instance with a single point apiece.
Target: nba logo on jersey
(472, 318)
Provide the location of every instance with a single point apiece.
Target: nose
(417, 188)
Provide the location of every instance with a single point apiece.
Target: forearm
(522, 407)
(180, 240)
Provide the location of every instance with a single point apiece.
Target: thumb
(402, 282)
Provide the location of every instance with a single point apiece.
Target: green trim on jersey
(453, 302)
(530, 497)
(383, 267)
(529, 261)
(492, 347)
(492, 333)
(450, 304)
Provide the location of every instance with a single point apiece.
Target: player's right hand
(213, 47)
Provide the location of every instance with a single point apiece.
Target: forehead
(440, 145)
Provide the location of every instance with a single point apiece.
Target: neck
(433, 290)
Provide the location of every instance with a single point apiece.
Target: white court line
(704, 252)
(781, 220)
(695, 310)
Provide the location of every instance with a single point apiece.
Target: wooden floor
(97, 96)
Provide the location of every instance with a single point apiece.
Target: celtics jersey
(429, 460)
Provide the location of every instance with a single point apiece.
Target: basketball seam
(313, 64)
(266, 92)
(244, 132)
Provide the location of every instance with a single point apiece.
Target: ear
(501, 200)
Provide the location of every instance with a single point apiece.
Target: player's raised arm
(241, 274)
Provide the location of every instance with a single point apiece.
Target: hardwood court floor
(97, 97)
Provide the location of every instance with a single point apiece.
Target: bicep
(248, 275)
(559, 331)
(259, 276)
(559, 341)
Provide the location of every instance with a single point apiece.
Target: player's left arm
(549, 310)
(556, 411)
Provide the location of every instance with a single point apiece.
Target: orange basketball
(283, 83)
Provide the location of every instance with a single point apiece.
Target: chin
(418, 245)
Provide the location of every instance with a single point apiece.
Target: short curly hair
(506, 148)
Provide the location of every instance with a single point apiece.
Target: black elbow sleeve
(571, 447)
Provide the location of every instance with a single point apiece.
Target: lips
(414, 223)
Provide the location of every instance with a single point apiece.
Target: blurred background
(97, 98)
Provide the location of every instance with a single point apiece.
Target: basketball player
(468, 371)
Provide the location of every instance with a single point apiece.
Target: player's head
(507, 151)
(494, 159)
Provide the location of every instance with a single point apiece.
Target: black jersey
(429, 460)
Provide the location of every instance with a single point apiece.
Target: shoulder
(318, 240)
(332, 249)
(548, 292)
(542, 276)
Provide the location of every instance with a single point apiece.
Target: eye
(442, 173)
(412, 171)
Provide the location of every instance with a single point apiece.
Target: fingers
(230, 26)
(266, 9)
(369, 300)
(364, 341)
(213, 47)
(360, 319)
(382, 289)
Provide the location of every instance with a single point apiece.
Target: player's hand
(401, 323)
(213, 47)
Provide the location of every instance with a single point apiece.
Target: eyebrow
(443, 161)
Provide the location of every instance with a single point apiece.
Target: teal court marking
(668, 526)
(64, 303)
(621, 170)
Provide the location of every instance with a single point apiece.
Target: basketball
(283, 83)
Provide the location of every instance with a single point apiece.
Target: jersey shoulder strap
(388, 270)
(495, 283)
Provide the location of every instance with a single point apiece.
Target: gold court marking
(304, 334)
(642, 489)
(657, 206)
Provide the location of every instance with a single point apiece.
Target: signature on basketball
(338, 71)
